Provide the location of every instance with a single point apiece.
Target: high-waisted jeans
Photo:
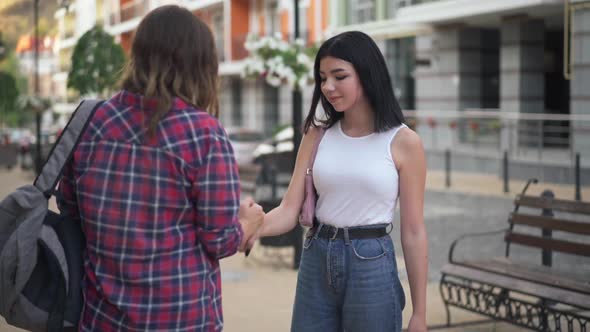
(348, 285)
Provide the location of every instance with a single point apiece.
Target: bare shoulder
(407, 147)
(310, 137)
(312, 132)
(406, 138)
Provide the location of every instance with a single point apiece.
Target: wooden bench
(263, 182)
(541, 296)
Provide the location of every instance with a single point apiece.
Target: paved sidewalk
(258, 291)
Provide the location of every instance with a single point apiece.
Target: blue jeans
(348, 285)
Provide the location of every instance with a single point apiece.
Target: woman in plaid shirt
(156, 187)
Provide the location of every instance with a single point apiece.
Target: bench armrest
(469, 235)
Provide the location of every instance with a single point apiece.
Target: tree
(8, 97)
(10, 65)
(96, 63)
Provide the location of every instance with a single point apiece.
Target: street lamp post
(36, 84)
(296, 95)
(297, 103)
(2, 55)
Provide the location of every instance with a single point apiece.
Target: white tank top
(356, 178)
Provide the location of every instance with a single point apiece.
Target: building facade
(25, 52)
(243, 102)
(526, 59)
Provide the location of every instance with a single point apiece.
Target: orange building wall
(239, 28)
(324, 14)
(285, 24)
(311, 21)
(126, 41)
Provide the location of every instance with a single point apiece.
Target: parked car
(282, 141)
(244, 141)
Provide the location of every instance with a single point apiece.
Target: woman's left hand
(417, 324)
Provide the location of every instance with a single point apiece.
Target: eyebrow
(334, 70)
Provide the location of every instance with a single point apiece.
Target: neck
(359, 121)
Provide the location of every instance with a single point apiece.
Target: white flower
(267, 58)
(249, 45)
(302, 82)
(273, 80)
(283, 46)
(303, 59)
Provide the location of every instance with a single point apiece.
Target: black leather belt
(329, 232)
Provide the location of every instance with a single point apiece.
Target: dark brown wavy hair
(173, 55)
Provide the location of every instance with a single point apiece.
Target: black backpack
(41, 263)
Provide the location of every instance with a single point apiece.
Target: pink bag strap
(318, 138)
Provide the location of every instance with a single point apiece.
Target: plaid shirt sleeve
(218, 191)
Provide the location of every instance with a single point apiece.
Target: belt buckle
(335, 233)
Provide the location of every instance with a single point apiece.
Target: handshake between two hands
(251, 217)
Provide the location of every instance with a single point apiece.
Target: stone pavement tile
(492, 185)
(258, 291)
(258, 294)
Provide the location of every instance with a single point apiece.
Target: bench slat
(535, 273)
(546, 243)
(521, 286)
(555, 204)
(551, 223)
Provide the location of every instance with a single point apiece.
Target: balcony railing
(534, 136)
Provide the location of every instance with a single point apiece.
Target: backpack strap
(63, 149)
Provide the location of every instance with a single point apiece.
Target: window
(217, 25)
(303, 24)
(273, 18)
(236, 102)
(394, 5)
(271, 108)
(400, 58)
(362, 11)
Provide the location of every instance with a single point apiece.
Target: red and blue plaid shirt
(158, 214)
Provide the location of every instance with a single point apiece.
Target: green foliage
(10, 66)
(96, 63)
(8, 98)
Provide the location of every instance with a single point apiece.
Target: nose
(328, 86)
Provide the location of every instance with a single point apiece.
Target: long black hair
(366, 58)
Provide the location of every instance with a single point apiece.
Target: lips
(333, 99)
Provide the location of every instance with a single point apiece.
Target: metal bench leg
(440, 287)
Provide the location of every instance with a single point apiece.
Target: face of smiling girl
(340, 84)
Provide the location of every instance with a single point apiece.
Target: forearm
(279, 220)
(415, 246)
(221, 242)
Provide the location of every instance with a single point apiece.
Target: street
(258, 290)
